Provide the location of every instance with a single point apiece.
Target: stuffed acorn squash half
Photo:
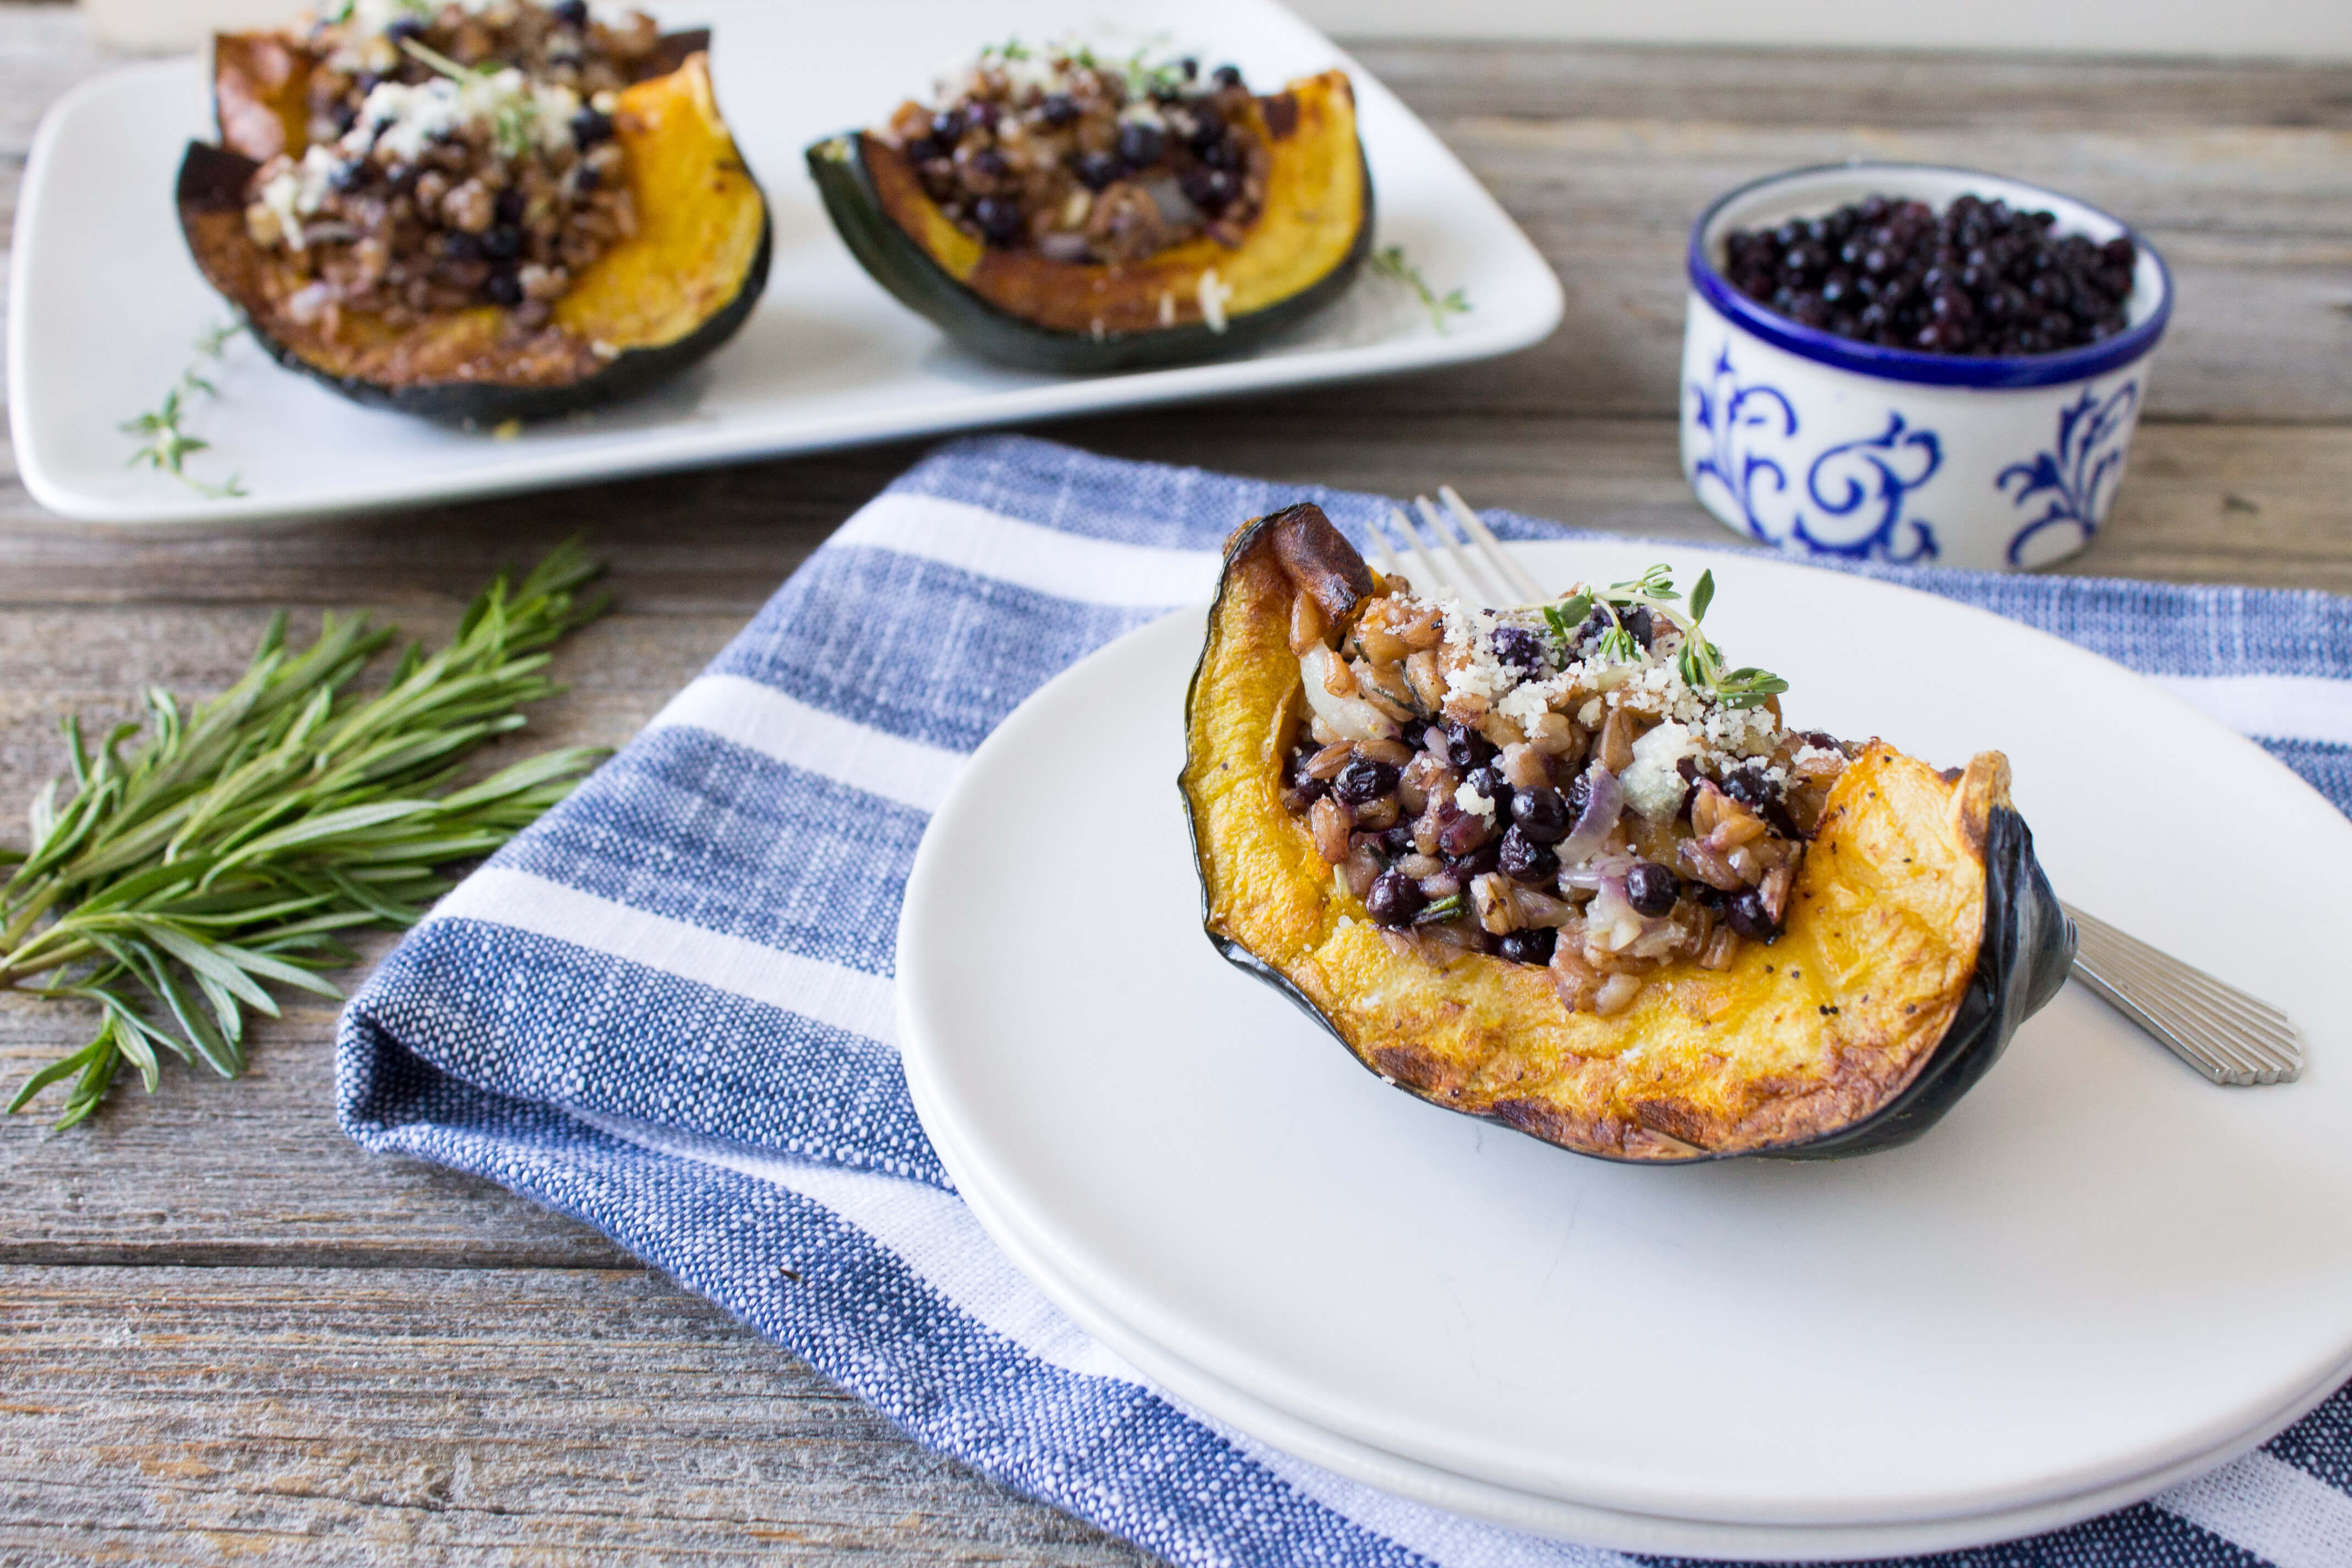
(1059, 211)
(476, 212)
(1559, 867)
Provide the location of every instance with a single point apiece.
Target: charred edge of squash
(558, 370)
(1318, 560)
(2023, 954)
(862, 179)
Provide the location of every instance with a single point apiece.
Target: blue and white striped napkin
(665, 1010)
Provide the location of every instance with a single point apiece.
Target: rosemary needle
(227, 850)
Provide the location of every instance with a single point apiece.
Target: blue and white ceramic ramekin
(1798, 438)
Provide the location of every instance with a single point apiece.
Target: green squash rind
(893, 259)
(2022, 961)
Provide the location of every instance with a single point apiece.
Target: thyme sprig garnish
(511, 115)
(229, 851)
(440, 64)
(1390, 262)
(166, 446)
(1143, 78)
(1699, 661)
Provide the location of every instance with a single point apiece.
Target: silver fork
(2229, 1036)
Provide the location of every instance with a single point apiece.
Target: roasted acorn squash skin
(1922, 932)
(656, 302)
(1074, 318)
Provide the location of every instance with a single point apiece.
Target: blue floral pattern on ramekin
(2092, 433)
(1858, 488)
(1847, 451)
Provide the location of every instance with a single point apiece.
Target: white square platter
(106, 306)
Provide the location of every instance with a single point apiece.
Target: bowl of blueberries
(1905, 362)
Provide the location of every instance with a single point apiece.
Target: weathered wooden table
(225, 1331)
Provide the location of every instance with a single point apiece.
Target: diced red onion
(1611, 921)
(1350, 718)
(1604, 802)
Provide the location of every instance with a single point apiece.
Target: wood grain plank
(713, 544)
(475, 1416)
(1784, 87)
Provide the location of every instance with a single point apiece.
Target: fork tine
(1490, 548)
(1389, 562)
(1438, 579)
(1468, 573)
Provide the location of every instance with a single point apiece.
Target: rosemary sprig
(1444, 909)
(1700, 662)
(166, 447)
(233, 844)
(1389, 263)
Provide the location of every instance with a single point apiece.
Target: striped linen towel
(665, 1010)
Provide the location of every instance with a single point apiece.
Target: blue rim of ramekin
(1909, 365)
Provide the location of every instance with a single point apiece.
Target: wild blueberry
(1140, 145)
(999, 219)
(1541, 814)
(1520, 649)
(1523, 859)
(1363, 781)
(1532, 945)
(1745, 912)
(1393, 899)
(1652, 888)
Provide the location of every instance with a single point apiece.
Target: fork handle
(2224, 1033)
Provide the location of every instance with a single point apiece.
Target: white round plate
(1581, 1522)
(2097, 1269)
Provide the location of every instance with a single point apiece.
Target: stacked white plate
(2098, 1275)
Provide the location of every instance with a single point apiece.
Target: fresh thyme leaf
(215, 852)
(1390, 262)
(1563, 620)
(1147, 78)
(167, 445)
(1749, 688)
(1444, 909)
(214, 339)
(1655, 583)
(1699, 662)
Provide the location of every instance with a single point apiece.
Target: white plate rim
(1584, 1524)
